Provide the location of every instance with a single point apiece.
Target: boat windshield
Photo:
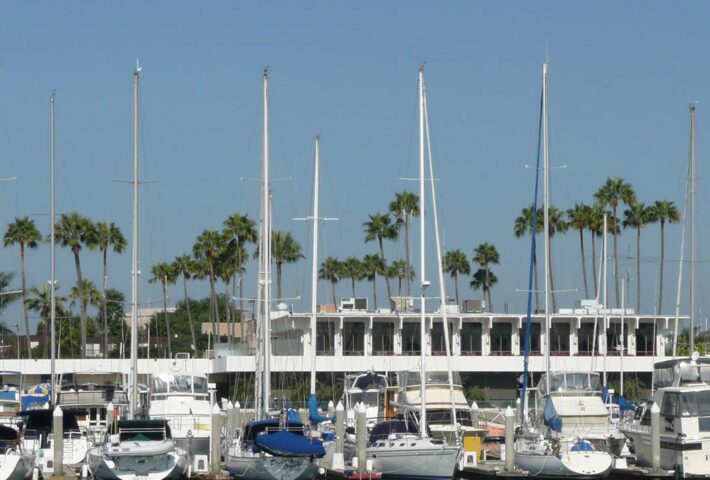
(695, 404)
(164, 383)
(679, 373)
(570, 382)
(412, 379)
(368, 398)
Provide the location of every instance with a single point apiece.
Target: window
(645, 339)
(325, 338)
(535, 329)
(671, 405)
(471, 338)
(585, 339)
(411, 344)
(382, 338)
(353, 338)
(613, 339)
(559, 337)
(438, 342)
(500, 338)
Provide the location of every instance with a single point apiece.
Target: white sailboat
(273, 447)
(403, 453)
(540, 448)
(136, 449)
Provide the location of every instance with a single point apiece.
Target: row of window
(471, 338)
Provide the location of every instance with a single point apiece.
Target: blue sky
(621, 77)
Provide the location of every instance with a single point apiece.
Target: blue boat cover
(623, 404)
(313, 415)
(292, 416)
(29, 402)
(582, 446)
(286, 444)
(8, 395)
(550, 417)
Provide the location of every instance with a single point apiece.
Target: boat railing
(92, 397)
(180, 422)
(146, 433)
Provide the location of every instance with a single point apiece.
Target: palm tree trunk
(406, 253)
(228, 311)
(241, 306)
(47, 335)
(584, 263)
(616, 262)
(456, 286)
(399, 286)
(24, 301)
(278, 281)
(488, 289)
(660, 280)
(374, 290)
(332, 284)
(165, 313)
(594, 265)
(552, 282)
(189, 315)
(82, 303)
(537, 280)
(352, 279)
(638, 269)
(213, 302)
(387, 280)
(104, 311)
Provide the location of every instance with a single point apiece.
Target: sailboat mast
(52, 286)
(546, 207)
(314, 263)
(266, 253)
(692, 230)
(133, 402)
(422, 264)
(605, 316)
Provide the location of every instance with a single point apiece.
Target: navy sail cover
(287, 444)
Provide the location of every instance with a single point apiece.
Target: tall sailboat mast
(692, 229)
(266, 254)
(52, 286)
(134, 255)
(546, 207)
(314, 263)
(422, 259)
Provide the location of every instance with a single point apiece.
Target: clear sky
(621, 77)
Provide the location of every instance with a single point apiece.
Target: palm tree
(330, 270)
(637, 216)
(579, 220)
(184, 266)
(380, 227)
(352, 268)
(165, 274)
(284, 249)
(402, 272)
(557, 224)
(372, 265)
(404, 207)
(484, 279)
(522, 226)
(615, 190)
(85, 294)
(76, 231)
(208, 248)
(486, 255)
(40, 300)
(241, 230)
(595, 224)
(24, 233)
(108, 235)
(7, 298)
(664, 211)
(455, 263)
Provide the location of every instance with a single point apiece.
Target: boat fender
(84, 471)
(35, 473)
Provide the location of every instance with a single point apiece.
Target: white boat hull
(410, 457)
(689, 456)
(570, 464)
(15, 466)
(167, 466)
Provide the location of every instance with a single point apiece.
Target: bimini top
(384, 429)
(41, 420)
(141, 430)
(367, 381)
(681, 371)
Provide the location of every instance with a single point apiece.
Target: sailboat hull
(14, 466)
(414, 458)
(263, 467)
(571, 464)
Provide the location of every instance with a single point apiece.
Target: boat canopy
(41, 420)
(368, 381)
(313, 414)
(284, 443)
(676, 372)
(141, 430)
(259, 427)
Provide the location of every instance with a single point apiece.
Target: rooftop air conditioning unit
(353, 304)
(402, 304)
(474, 306)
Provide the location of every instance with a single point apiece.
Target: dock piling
(655, 437)
(338, 462)
(58, 433)
(509, 439)
(215, 440)
(361, 424)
